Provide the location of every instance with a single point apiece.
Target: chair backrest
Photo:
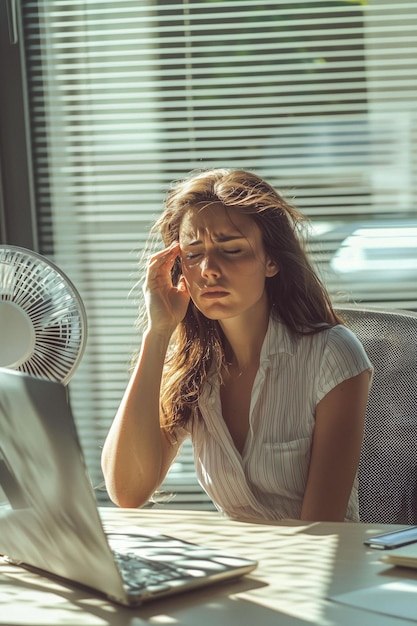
(388, 465)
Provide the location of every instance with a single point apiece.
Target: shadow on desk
(301, 570)
(29, 595)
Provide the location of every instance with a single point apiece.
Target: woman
(243, 353)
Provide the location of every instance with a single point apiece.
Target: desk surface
(301, 570)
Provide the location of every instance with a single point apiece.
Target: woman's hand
(166, 304)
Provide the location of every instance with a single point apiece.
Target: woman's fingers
(166, 303)
(168, 255)
(161, 263)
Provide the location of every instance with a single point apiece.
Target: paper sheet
(395, 598)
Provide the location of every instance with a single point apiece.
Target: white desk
(300, 568)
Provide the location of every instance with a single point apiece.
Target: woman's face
(223, 261)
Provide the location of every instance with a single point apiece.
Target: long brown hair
(296, 295)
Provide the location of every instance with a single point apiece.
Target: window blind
(319, 97)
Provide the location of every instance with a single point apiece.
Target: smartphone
(393, 539)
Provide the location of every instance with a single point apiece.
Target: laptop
(49, 520)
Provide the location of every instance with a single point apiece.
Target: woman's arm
(137, 453)
(336, 448)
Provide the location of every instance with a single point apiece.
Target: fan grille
(55, 310)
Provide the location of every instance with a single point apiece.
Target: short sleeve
(343, 357)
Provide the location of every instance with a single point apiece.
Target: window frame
(18, 225)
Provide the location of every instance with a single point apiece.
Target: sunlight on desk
(304, 573)
(52, 606)
(298, 566)
(319, 574)
(44, 609)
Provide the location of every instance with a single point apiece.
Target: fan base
(17, 342)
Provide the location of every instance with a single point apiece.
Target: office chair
(388, 464)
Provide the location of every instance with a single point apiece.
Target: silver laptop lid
(48, 513)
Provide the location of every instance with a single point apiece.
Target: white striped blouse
(267, 481)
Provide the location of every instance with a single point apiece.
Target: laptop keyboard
(139, 573)
(153, 564)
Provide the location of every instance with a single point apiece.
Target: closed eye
(192, 255)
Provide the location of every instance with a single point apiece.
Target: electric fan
(43, 323)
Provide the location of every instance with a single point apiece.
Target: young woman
(243, 353)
